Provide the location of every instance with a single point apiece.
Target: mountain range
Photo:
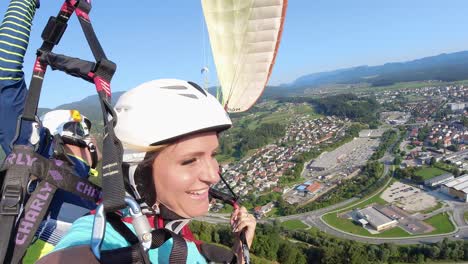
(443, 67)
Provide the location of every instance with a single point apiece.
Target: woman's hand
(241, 220)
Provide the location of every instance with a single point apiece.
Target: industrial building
(457, 187)
(436, 181)
(375, 218)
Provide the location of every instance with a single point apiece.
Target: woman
(169, 130)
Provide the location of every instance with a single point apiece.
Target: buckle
(105, 68)
(9, 205)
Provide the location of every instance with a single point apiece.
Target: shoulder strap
(135, 252)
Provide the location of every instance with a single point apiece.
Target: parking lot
(351, 154)
(408, 198)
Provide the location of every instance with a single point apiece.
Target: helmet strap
(94, 157)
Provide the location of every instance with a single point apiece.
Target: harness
(21, 213)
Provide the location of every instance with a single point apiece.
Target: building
(457, 106)
(436, 181)
(261, 211)
(457, 188)
(314, 187)
(308, 188)
(376, 219)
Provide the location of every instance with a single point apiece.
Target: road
(315, 218)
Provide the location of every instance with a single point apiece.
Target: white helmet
(159, 111)
(73, 128)
(67, 123)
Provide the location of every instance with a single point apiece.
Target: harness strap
(134, 254)
(55, 172)
(13, 196)
(35, 210)
(159, 236)
(99, 73)
(22, 163)
(119, 226)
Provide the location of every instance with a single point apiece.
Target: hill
(443, 67)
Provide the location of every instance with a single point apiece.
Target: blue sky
(165, 39)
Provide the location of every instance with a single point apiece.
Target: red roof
(313, 187)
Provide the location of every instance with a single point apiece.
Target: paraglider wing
(244, 37)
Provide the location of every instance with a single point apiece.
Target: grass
(407, 85)
(273, 212)
(294, 224)
(465, 215)
(345, 225)
(394, 232)
(430, 210)
(281, 117)
(442, 224)
(429, 172)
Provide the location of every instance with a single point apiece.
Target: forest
(275, 243)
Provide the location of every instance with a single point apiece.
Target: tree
(397, 160)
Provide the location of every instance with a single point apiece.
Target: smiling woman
(169, 129)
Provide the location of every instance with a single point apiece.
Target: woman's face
(183, 172)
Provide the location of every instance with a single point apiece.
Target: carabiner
(99, 230)
(139, 221)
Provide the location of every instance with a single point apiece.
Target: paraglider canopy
(244, 37)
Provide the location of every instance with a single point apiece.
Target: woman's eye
(189, 161)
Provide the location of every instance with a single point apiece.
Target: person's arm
(14, 39)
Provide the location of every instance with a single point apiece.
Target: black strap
(179, 247)
(217, 254)
(134, 254)
(35, 210)
(13, 196)
(22, 162)
(116, 222)
(16, 177)
(159, 237)
(56, 172)
(100, 73)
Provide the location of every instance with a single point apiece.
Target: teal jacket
(80, 234)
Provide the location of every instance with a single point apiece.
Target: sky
(152, 39)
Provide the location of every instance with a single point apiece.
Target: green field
(345, 225)
(442, 224)
(406, 85)
(429, 172)
(283, 116)
(394, 232)
(294, 224)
